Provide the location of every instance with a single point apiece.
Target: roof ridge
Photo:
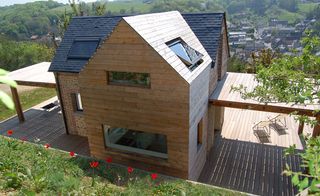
(128, 15)
(202, 13)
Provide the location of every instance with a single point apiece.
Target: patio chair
(262, 131)
(279, 124)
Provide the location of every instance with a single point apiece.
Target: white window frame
(128, 148)
(79, 105)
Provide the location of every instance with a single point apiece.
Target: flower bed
(27, 168)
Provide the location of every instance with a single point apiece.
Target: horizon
(4, 3)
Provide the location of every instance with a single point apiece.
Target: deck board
(47, 126)
(249, 167)
(223, 96)
(238, 125)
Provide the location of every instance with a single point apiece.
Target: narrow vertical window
(77, 102)
(199, 134)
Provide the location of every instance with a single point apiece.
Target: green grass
(28, 99)
(30, 169)
(114, 7)
(283, 14)
(137, 6)
(307, 7)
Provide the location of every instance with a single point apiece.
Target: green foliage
(31, 169)
(293, 79)
(4, 98)
(27, 99)
(237, 65)
(311, 163)
(15, 55)
(290, 5)
(23, 21)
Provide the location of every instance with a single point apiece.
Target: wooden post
(301, 127)
(316, 130)
(17, 104)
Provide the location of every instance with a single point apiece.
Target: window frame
(128, 149)
(199, 134)
(82, 39)
(192, 65)
(77, 102)
(109, 82)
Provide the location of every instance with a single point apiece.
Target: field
(36, 169)
(28, 99)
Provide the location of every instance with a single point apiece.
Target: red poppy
(47, 145)
(109, 160)
(154, 176)
(72, 154)
(130, 170)
(94, 164)
(10, 132)
(23, 139)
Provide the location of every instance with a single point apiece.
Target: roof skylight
(189, 56)
(83, 48)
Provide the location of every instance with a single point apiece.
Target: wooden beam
(262, 107)
(17, 104)
(316, 130)
(36, 84)
(301, 127)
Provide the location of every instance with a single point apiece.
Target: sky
(11, 2)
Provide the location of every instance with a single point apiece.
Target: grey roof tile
(206, 26)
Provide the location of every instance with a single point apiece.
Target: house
(138, 87)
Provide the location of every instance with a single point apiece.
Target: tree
(294, 79)
(290, 5)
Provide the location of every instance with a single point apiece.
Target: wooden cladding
(128, 79)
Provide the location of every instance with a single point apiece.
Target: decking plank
(47, 126)
(250, 167)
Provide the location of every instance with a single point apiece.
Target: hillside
(38, 18)
(36, 169)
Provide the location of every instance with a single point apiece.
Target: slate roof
(206, 26)
(80, 27)
(158, 29)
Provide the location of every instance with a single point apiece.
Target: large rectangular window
(145, 143)
(129, 79)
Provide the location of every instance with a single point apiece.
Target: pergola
(224, 97)
(33, 75)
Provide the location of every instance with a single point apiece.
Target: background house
(142, 96)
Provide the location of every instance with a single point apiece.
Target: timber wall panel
(163, 108)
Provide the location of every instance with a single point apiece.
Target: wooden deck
(249, 167)
(238, 125)
(47, 126)
(222, 96)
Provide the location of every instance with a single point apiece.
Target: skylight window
(189, 56)
(83, 48)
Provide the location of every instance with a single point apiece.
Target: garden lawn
(32, 169)
(28, 99)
